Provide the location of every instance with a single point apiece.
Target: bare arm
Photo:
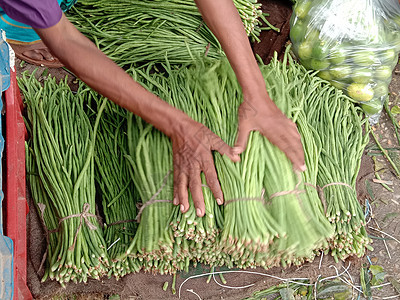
(224, 21)
(191, 155)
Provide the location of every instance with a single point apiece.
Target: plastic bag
(354, 44)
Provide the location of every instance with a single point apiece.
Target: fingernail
(219, 201)
(198, 211)
(303, 168)
(175, 201)
(182, 208)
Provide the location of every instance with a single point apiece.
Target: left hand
(192, 146)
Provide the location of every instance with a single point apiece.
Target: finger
(242, 138)
(289, 141)
(176, 179)
(197, 192)
(183, 191)
(296, 152)
(213, 182)
(223, 148)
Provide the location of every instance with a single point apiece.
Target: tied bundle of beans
(256, 234)
(133, 31)
(65, 172)
(249, 228)
(203, 233)
(338, 129)
(296, 209)
(193, 236)
(113, 177)
(151, 159)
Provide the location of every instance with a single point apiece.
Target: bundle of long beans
(256, 234)
(192, 236)
(65, 171)
(338, 127)
(289, 198)
(248, 226)
(151, 160)
(203, 232)
(113, 176)
(141, 31)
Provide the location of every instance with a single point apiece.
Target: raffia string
(153, 198)
(320, 190)
(260, 199)
(84, 217)
(295, 191)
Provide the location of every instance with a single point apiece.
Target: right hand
(261, 114)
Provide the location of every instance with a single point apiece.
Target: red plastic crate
(16, 205)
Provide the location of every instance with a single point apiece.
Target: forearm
(224, 21)
(82, 57)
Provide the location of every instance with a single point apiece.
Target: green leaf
(365, 283)
(369, 189)
(114, 297)
(287, 294)
(395, 110)
(375, 269)
(45, 72)
(334, 290)
(395, 284)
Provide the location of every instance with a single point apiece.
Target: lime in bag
(354, 44)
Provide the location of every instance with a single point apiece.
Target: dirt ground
(384, 216)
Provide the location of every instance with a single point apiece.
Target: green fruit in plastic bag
(381, 89)
(387, 56)
(297, 31)
(325, 75)
(337, 55)
(340, 71)
(302, 8)
(320, 51)
(360, 92)
(305, 50)
(364, 58)
(312, 35)
(372, 107)
(317, 64)
(362, 75)
(383, 72)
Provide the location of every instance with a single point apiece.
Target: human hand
(263, 115)
(192, 146)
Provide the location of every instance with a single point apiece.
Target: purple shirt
(35, 13)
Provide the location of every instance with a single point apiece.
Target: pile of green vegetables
(355, 51)
(142, 31)
(272, 216)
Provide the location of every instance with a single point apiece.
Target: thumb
(242, 138)
(224, 149)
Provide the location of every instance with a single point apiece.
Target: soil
(384, 215)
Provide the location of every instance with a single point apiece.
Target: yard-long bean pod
(149, 31)
(337, 124)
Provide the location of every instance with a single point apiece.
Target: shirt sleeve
(35, 13)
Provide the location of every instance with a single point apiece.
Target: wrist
(178, 124)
